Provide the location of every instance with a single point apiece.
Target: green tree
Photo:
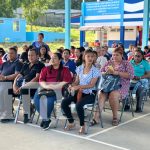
(33, 9)
(56, 4)
(7, 7)
(60, 4)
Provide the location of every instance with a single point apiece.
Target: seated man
(25, 79)
(9, 70)
(141, 75)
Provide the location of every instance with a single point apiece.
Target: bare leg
(102, 97)
(114, 102)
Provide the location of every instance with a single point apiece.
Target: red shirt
(72, 56)
(1, 61)
(48, 76)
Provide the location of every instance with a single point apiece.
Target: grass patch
(75, 37)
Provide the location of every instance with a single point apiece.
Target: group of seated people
(81, 69)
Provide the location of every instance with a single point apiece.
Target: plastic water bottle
(23, 83)
(134, 96)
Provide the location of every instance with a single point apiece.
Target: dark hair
(58, 78)
(94, 52)
(14, 49)
(2, 51)
(146, 47)
(67, 51)
(82, 49)
(59, 51)
(90, 48)
(30, 47)
(80, 58)
(78, 49)
(72, 47)
(43, 46)
(121, 45)
(105, 46)
(141, 52)
(33, 50)
(41, 34)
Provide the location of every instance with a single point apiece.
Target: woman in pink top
(118, 67)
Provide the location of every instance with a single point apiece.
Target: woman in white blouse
(84, 88)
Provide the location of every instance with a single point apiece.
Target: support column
(82, 33)
(67, 23)
(122, 27)
(122, 34)
(145, 24)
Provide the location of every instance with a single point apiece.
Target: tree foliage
(7, 7)
(33, 9)
(60, 4)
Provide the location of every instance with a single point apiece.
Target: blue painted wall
(7, 34)
(48, 36)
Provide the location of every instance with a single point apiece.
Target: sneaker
(47, 125)
(127, 108)
(26, 119)
(138, 110)
(42, 123)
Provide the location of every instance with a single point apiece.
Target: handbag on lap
(110, 83)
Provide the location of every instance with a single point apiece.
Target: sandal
(115, 122)
(93, 123)
(82, 130)
(69, 127)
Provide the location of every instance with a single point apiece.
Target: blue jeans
(140, 92)
(44, 105)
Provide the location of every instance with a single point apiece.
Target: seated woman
(124, 70)
(68, 62)
(95, 59)
(24, 56)
(51, 77)
(29, 74)
(2, 53)
(141, 75)
(86, 78)
(43, 55)
(78, 56)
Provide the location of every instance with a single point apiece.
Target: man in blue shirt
(67, 62)
(12, 67)
(9, 70)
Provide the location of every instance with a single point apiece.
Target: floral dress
(124, 66)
